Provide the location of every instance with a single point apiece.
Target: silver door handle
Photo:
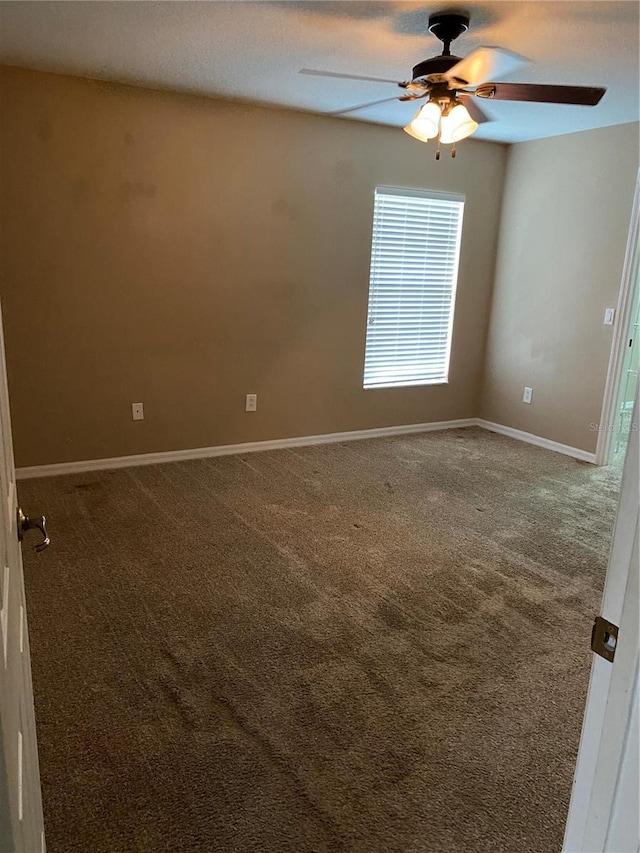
(39, 523)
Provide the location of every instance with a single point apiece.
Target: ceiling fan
(452, 84)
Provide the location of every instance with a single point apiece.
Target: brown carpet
(378, 647)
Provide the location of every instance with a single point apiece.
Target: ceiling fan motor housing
(435, 65)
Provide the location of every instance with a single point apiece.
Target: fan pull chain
(453, 150)
(438, 150)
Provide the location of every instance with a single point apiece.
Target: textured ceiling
(254, 50)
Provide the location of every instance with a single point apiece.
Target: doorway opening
(622, 379)
(628, 379)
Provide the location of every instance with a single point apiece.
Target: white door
(21, 823)
(603, 814)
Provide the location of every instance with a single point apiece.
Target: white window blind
(414, 271)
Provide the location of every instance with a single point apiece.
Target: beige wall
(182, 252)
(565, 222)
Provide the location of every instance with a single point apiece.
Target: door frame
(604, 745)
(620, 328)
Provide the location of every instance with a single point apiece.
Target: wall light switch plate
(251, 403)
(609, 314)
(528, 395)
(137, 410)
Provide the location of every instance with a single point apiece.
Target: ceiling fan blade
(312, 72)
(587, 96)
(369, 104)
(473, 109)
(485, 63)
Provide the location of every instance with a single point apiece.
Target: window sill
(406, 384)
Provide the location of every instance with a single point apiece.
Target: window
(414, 270)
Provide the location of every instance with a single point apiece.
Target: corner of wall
(558, 266)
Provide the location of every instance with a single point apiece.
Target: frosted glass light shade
(457, 125)
(426, 122)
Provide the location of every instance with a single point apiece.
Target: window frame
(436, 195)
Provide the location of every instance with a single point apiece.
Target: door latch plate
(604, 638)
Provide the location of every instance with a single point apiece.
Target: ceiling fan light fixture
(457, 124)
(441, 79)
(425, 124)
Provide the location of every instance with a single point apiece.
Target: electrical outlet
(137, 411)
(609, 315)
(528, 395)
(251, 403)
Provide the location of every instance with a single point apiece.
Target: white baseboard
(59, 468)
(546, 443)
